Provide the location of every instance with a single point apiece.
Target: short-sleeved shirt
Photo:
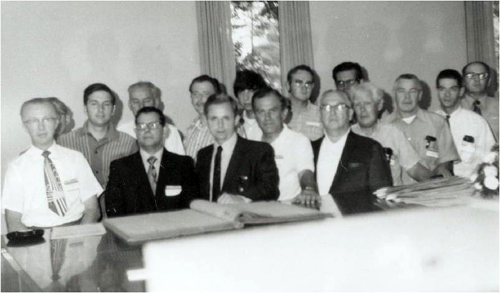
(403, 156)
(464, 122)
(99, 154)
(173, 143)
(292, 154)
(430, 136)
(24, 187)
(489, 110)
(198, 136)
(308, 122)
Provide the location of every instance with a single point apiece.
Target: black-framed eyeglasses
(337, 108)
(347, 82)
(45, 121)
(150, 125)
(481, 76)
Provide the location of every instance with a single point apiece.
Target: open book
(204, 217)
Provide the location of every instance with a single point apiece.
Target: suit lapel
(349, 147)
(204, 164)
(233, 163)
(164, 171)
(142, 174)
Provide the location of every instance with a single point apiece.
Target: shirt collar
(228, 144)
(112, 133)
(33, 150)
(342, 139)
(145, 155)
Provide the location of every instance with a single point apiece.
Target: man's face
(366, 109)
(221, 121)
(301, 85)
(269, 115)
(473, 83)
(346, 79)
(408, 94)
(335, 111)
(150, 137)
(99, 108)
(449, 93)
(245, 99)
(40, 120)
(141, 97)
(200, 91)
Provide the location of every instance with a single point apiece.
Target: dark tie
(53, 187)
(216, 181)
(448, 119)
(475, 107)
(152, 173)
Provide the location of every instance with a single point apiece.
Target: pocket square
(173, 190)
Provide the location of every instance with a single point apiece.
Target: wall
(388, 39)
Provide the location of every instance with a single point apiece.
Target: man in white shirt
(48, 185)
(471, 133)
(146, 94)
(477, 78)
(368, 103)
(292, 150)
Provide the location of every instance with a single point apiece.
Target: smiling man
(48, 185)
(152, 179)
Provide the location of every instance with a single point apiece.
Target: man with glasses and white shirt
(349, 167)
(305, 114)
(152, 179)
(477, 78)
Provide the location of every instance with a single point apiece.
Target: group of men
(258, 146)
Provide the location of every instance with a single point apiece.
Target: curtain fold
(480, 33)
(295, 36)
(215, 41)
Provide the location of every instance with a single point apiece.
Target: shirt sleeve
(89, 186)
(447, 149)
(13, 197)
(407, 155)
(305, 159)
(173, 143)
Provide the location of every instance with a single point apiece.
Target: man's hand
(443, 170)
(308, 198)
(227, 198)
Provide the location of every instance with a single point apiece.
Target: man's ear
(130, 105)
(113, 110)
(380, 105)
(284, 114)
(420, 95)
(237, 120)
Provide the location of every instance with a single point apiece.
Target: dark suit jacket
(363, 168)
(251, 172)
(128, 191)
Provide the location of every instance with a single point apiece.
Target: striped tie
(152, 176)
(53, 187)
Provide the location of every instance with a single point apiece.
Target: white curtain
(480, 33)
(215, 41)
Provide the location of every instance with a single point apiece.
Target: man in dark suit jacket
(243, 170)
(359, 163)
(152, 179)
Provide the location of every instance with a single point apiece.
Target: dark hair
(248, 80)
(218, 99)
(205, 78)
(488, 70)
(449, 73)
(297, 68)
(146, 110)
(347, 66)
(263, 92)
(95, 87)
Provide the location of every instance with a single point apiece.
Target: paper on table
(77, 231)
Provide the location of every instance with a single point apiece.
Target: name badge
(173, 190)
(392, 162)
(432, 154)
(311, 123)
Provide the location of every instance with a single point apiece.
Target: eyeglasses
(150, 125)
(300, 83)
(45, 121)
(343, 83)
(337, 108)
(481, 76)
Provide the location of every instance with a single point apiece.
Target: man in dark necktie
(152, 179)
(234, 169)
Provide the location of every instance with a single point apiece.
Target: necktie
(216, 181)
(475, 107)
(448, 119)
(53, 187)
(152, 173)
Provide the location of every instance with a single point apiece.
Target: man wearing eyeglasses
(477, 78)
(347, 74)
(146, 94)
(427, 132)
(305, 114)
(349, 167)
(48, 185)
(152, 179)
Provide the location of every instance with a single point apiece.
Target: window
(495, 29)
(256, 38)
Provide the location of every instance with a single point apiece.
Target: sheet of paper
(77, 231)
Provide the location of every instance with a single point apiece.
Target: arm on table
(444, 169)
(419, 172)
(92, 212)
(309, 196)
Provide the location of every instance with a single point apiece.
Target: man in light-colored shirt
(477, 78)
(197, 135)
(305, 115)
(292, 150)
(367, 101)
(146, 94)
(471, 133)
(427, 132)
(48, 185)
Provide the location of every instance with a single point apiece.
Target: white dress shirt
(145, 156)
(227, 152)
(252, 129)
(328, 162)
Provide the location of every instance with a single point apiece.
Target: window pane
(256, 38)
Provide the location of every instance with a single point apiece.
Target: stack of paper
(435, 193)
